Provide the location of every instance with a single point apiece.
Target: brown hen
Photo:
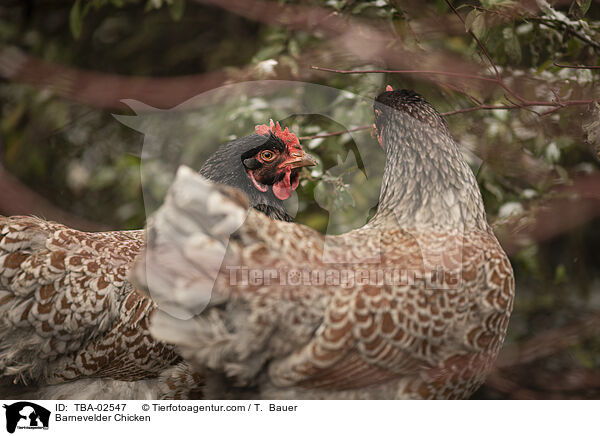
(415, 304)
(71, 323)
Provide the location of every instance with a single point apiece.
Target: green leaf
(475, 22)
(268, 52)
(470, 18)
(76, 19)
(176, 9)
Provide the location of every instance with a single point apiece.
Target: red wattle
(283, 188)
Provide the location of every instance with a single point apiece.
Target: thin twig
(479, 107)
(550, 22)
(459, 90)
(579, 67)
(340, 132)
(521, 103)
(441, 73)
(558, 25)
(477, 40)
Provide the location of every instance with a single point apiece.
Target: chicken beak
(299, 159)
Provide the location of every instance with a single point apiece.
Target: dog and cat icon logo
(26, 415)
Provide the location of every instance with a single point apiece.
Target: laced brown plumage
(273, 329)
(68, 312)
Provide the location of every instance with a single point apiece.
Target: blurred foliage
(87, 162)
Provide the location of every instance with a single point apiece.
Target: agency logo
(26, 415)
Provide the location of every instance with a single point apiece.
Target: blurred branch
(103, 90)
(570, 206)
(549, 342)
(18, 199)
(367, 40)
(294, 16)
(106, 91)
(521, 103)
(498, 381)
(441, 73)
(578, 379)
(459, 90)
(370, 41)
(480, 107)
(510, 380)
(518, 101)
(543, 385)
(517, 11)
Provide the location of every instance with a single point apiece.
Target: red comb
(286, 136)
(389, 88)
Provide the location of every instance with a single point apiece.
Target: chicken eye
(267, 155)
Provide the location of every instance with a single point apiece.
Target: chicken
(267, 172)
(415, 304)
(67, 310)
